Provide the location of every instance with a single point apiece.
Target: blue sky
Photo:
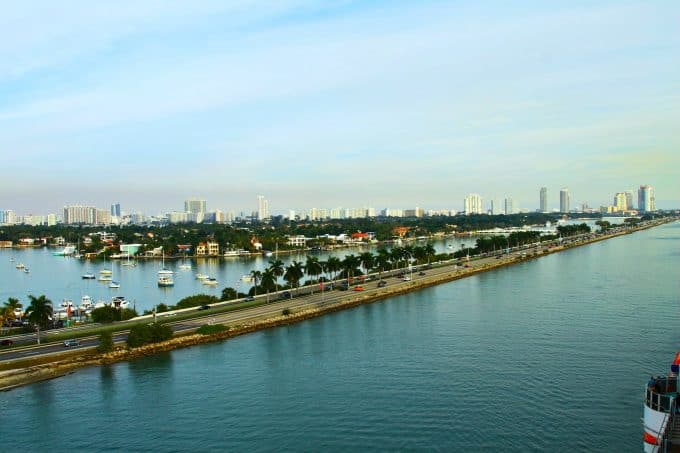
(347, 103)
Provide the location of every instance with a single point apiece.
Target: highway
(303, 299)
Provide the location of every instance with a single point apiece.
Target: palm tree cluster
(333, 268)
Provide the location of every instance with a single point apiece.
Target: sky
(346, 103)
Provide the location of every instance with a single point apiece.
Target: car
(71, 342)
(406, 278)
(250, 298)
(284, 295)
(382, 283)
(6, 342)
(421, 273)
(343, 286)
(204, 307)
(358, 288)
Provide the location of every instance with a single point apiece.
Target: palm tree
(294, 272)
(256, 276)
(430, 252)
(367, 260)
(420, 254)
(396, 254)
(382, 261)
(349, 265)
(39, 312)
(277, 269)
(313, 268)
(268, 280)
(333, 265)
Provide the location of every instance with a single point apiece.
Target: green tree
(294, 272)
(277, 269)
(268, 281)
(256, 276)
(106, 314)
(367, 260)
(39, 312)
(229, 293)
(198, 300)
(105, 342)
(313, 268)
(333, 266)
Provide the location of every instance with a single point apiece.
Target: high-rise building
(646, 201)
(510, 206)
(115, 209)
(51, 219)
(473, 204)
(564, 199)
(620, 202)
(629, 199)
(195, 205)
(496, 207)
(543, 207)
(77, 214)
(262, 208)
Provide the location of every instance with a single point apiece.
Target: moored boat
(114, 285)
(165, 280)
(88, 276)
(661, 412)
(210, 281)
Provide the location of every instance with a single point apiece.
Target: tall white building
(629, 199)
(620, 202)
(262, 208)
(510, 206)
(473, 204)
(77, 214)
(195, 205)
(646, 202)
(564, 200)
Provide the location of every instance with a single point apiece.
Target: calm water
(549, 355)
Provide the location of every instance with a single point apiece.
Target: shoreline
(63, 363)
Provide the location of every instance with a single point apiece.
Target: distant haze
(318, 104)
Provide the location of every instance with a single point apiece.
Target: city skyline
(384, 104)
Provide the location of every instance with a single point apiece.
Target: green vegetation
(39, 312)
(105, 342)
(210, 329)
(196, 301)
(286, 312)
(108, 314)
(142, 334)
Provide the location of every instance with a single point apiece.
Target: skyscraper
(496, 207)
(620, 202)
(473, 204)
(564, 200)
(646, 202)
(115, 209)
(543, 206)
(509, 206)
(195, 205)
(629, 199)
(262, 208)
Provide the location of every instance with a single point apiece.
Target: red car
(358, 288)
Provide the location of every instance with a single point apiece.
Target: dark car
(284, 295)
(382, 283)
(71, 342)
(204, 307)
(421, 273)
(6, 342)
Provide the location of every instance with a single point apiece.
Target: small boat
(65, 303)
(164, 281)
(20, 266)
(100, 304)
(210, 281)
(85, 303)
(27, 270)
(247, 278)
(88, 276)
(119, 302)
(114, 285)
(185, 266)
(105, 278)
(201, 276)
(105, 272)
(231, 253)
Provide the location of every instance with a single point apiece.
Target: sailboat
(165, 275)
(105, 274)
(128, 262)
